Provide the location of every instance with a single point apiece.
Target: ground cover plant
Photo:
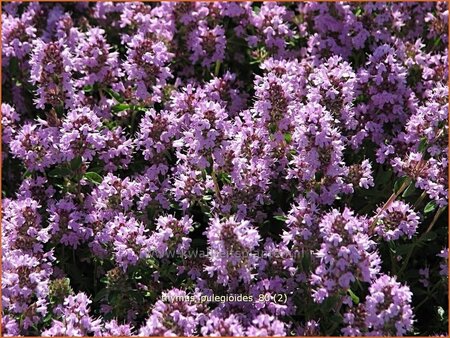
(232, 169)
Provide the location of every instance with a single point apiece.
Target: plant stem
(217, 68)
(420, 199)
(216, 185)
(436, 217)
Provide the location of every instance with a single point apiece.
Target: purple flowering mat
(224, 169)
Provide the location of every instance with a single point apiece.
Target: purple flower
(265, 325)
(346, 254)
(10, 121)
(80, 134)
(386, 310)
(22, 226)
(156, 134)
(67, 223)
(230, 245)
(75, 320)
(113, 328)
(95, 61)
(37, 146)
(397, 220)
(117, 150)
(147, 66)
(171, 234)
(207, 45)
(216, 326)
(178, 316)
(51, 68)
(272, 25)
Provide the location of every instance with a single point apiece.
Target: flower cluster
(224, 168)
(386, 310)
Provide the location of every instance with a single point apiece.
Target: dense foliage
(224, 168)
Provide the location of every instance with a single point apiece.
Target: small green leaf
(423, 145)
(217, 68)
(93, 177)
(152, 263)
(76, 163)
(288, 137)
(430, 207)
(224, 177)
(410, 190)
(120, 107)
(59, 172)
(437, 41)
(115, 95)
(88, 88)
(354, 297)
(280, 218)
(48, 318)
(27, 174)
(399, 183)
(59, 110)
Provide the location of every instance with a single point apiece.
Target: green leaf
(76, 163)
(93, 177)
(399, 183)
(354, 297)
(59, 110)
(217, 68)
(27, 174)
(48, 318)
(423, 145)
(152, 263)
(437, 41)
(410, 190)
(120, 107)
(59, 172)
(288, 137)
(430, 207)
(115, 95)
(280, 218)
(88, 88)
(224, 177)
